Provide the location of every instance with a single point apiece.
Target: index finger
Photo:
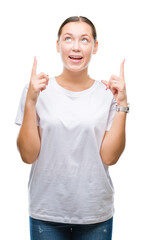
(34, 67)
(122, 69)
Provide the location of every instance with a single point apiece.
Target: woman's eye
(85, 40)
(68, 39)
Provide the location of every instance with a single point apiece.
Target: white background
(29, 28)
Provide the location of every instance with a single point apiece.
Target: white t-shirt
(68, 182)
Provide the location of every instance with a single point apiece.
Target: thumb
(105, 82)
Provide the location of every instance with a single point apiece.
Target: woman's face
(76, 45)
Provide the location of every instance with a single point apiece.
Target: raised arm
(114, 140)
(28, 140)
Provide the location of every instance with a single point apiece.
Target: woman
(72, 130)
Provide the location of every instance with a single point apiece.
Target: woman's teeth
(75, 58)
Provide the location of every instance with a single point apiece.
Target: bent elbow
(110, 163)
(112, 159)
(25, 156)
(28, 161)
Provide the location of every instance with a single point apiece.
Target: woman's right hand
(38, 82)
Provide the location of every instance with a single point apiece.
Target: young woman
(72, 130)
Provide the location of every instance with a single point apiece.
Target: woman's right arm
(28, 140)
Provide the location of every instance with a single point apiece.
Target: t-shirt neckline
(73, 93)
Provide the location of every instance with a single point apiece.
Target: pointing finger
(34, 66)
(122, 69)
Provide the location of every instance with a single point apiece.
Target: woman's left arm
(113, 142)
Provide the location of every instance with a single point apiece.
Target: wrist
(30, 103)
(122, 104)
(31, 98)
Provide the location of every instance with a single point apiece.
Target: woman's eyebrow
(67, 34)
(85, 34)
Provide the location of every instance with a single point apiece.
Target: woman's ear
(95, 47)
(57, 46)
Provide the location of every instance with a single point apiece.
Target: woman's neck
(74, 78)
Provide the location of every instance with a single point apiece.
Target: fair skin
(28, 140)
(76, 46)
(114, 140)
(76, 40)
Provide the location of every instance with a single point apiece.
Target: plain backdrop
(29, 28)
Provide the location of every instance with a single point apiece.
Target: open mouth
(76, 58)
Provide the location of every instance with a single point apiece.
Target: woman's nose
(76, 46)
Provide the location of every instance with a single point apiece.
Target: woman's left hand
(118, 87)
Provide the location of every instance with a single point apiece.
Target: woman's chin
(76, 69)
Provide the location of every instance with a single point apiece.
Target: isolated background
(28, 29)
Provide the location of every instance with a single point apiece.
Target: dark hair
(78, 19)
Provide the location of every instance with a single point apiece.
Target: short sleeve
(21, 107)
(111, 114)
